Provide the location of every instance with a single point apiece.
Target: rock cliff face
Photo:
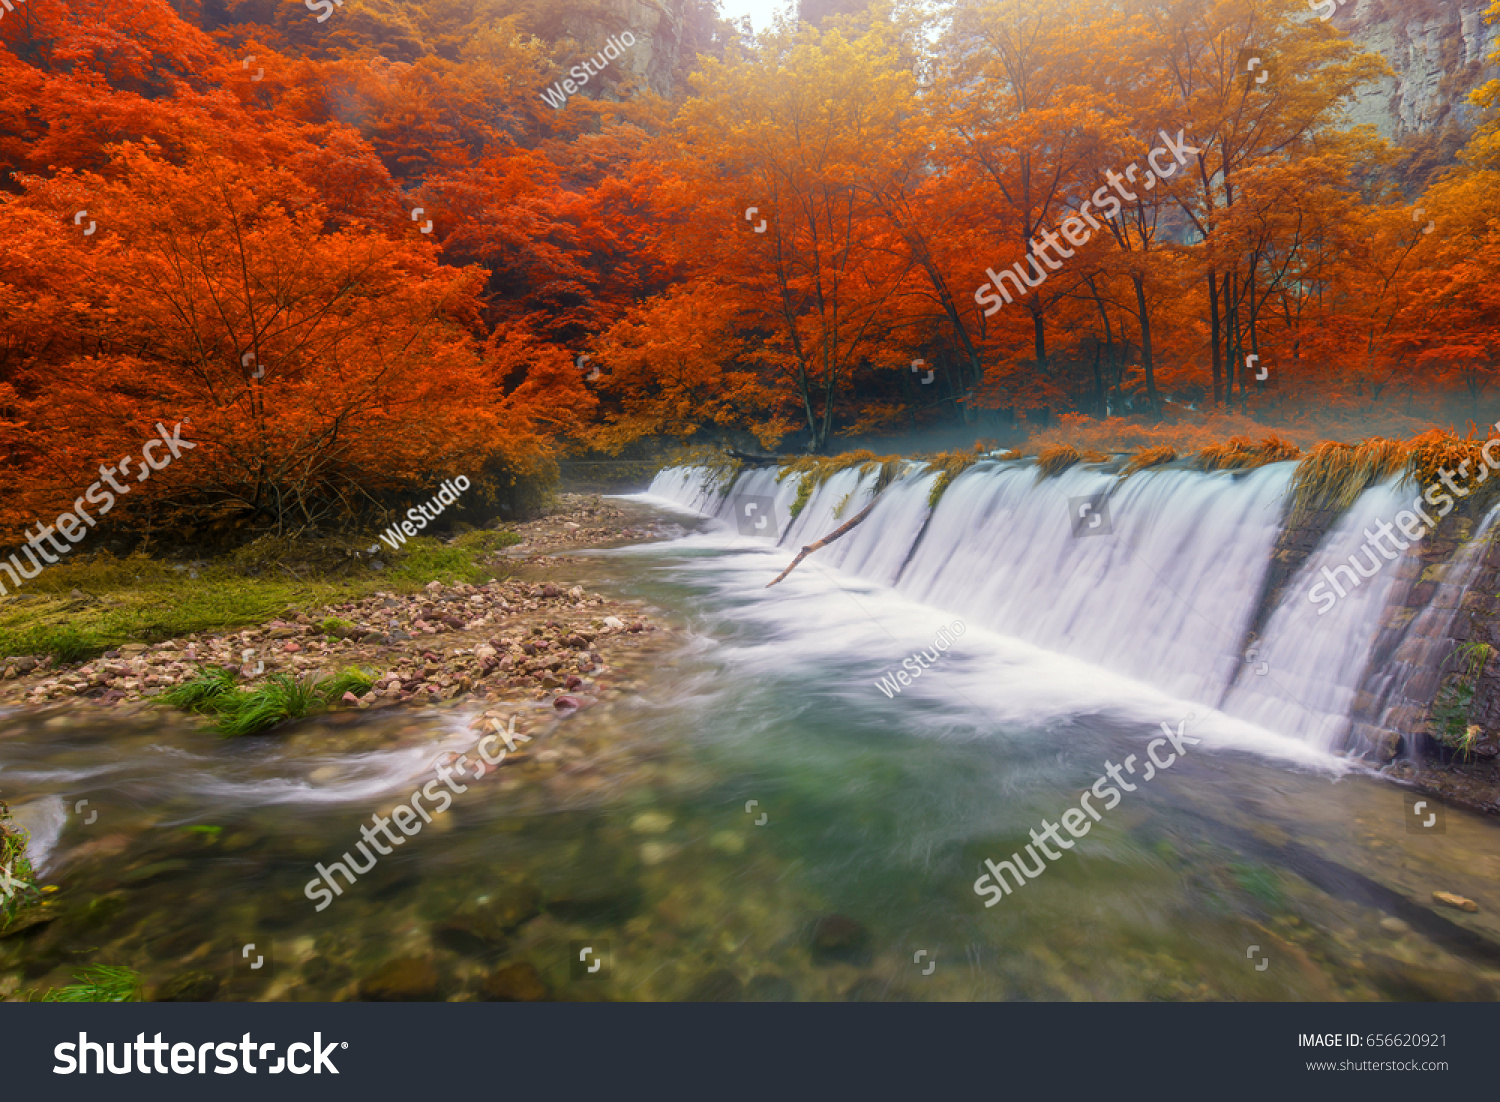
(1440, 52)
(667, 34)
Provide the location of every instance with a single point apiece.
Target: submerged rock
(515, 983)
(651, 822)
(190, 987)
(487, 920)
(1415, 983)
(599, 885)
(96, 914)
(840, 938)
(323, 972)
(1448, 899)
(406, 979)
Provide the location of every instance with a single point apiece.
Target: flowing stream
(775, 815)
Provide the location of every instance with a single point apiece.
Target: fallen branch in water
(824, 542)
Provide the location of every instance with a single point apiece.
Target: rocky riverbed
(494, 641)
(519, 654)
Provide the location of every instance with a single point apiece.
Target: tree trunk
(1214, 330)
(1147, 365)
(1231, 338)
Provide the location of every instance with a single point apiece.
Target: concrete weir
(1193, 582)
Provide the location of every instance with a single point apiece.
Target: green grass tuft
(281, 698)
(1451, 716)
(814, 470)
(487, 539)
(1261, 883)
(335, 627)
(238, 711)
(199, 694)
(99, 983)
(352, 680)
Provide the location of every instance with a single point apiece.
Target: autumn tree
(1024, 99)
(1253, 80)
(776, 146)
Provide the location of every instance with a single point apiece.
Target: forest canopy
(355, 248)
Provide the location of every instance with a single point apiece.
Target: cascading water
(1157, 576)
(1311, 664)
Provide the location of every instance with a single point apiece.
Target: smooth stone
(728, 841)
(1448, 899)
(95, 914)
(869, 989)
(838, 937)
(515, 983)
(654, 853)
(406, 979)
(1414, 983)
(190, 987)
(489, 919)
(651, 822)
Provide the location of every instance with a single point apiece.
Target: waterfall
(1158, 576)
(1307, 670)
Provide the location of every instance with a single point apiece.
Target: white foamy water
(1160, 593)
(1315, 662)
(43, 821)
(856, 633)
(239, 776)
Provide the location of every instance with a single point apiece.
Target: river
(773, 815)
